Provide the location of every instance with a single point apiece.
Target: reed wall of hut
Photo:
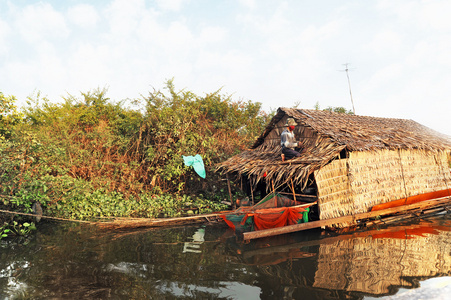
(364, 179)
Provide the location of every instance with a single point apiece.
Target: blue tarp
(197, 163)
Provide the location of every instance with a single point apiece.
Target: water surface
(72, 261)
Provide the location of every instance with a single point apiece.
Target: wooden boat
(275, 210)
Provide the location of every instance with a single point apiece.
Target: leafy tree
(9, 115)
(183, 123)
(338, 109)
(316, 106)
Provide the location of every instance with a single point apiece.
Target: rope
(437, 161)
(46, 217)
(402, 173)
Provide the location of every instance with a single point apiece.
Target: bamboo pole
(252, 195)
(230, 192)
(316, 224)
(301, 195)
(131, 223)
(273, 189)
(292, 189)
(402, 173)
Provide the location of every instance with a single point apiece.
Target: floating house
(350, 163)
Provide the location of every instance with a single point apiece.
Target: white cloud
(384, 43)
(324, 31)
(264, 24)
(21, 76)
(89, 67)
(171, 5)
(83, 15)
(123, 16)
(178, 35)
(436, 14)
(248, 3)
(210, 35)
(44, 70)
(5, 30)
(423, 15)
(175, 38)
(41, 22)
(50, 66)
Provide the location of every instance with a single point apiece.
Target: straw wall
(368, 178)
(374, 265)
(387, 175)
(334, 194)
(425, 173)
(377, 178)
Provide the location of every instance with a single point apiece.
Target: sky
(279, 53)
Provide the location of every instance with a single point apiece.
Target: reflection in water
(373, 264)
(197, 240)
(9, 276)
(223, 290)
(68, 261)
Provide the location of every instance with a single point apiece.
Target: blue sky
(279, 53)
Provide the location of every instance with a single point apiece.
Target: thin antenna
(349, 84)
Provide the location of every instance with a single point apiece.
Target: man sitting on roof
(288, 141)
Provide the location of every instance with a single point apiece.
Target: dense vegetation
(89, 156)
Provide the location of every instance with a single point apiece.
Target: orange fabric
(408, 233)
(412, 199)
(231, 225)
(277, 217)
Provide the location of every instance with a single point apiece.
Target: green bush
(90, 157)
(9, 115)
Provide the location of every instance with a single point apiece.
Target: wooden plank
(315, 224)
(412, 214)
(300, 195)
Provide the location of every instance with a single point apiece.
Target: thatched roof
(360, 133)
(325, 134)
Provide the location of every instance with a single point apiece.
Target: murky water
(67, 261)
